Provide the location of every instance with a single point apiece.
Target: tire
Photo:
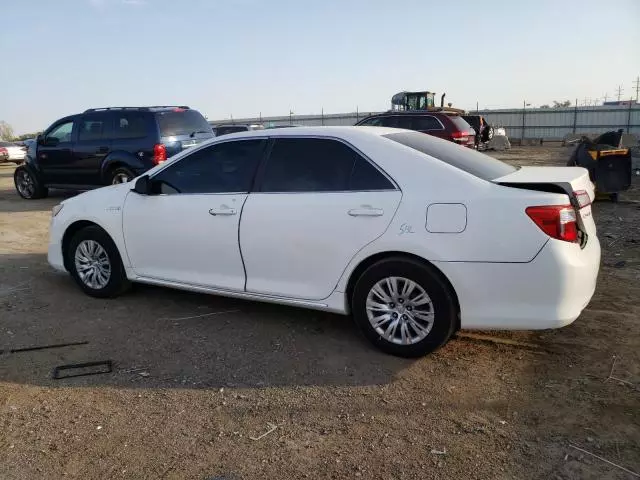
(441, 307)
(27, 184)
(94, 244)
(120, 175)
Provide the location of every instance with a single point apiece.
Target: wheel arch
(119, 159)
(74, 228)
(365, 263)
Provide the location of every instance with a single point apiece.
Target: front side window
(319, 165)
(91, 128)
(62, 133)
(222, 168)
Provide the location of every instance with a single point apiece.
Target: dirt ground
(196, 379)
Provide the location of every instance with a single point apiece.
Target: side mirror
(143, 185)
(40, 139)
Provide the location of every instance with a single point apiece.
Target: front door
(187, 231)
(319, 202)
(55, 152)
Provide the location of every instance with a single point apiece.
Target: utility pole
(637, 82)
(619, 90)
(606, 95)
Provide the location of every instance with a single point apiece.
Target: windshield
(181, 122)
(460, 123)
(230, 129)
(466, 159)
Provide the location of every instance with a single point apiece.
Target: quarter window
(318, 165)
(223, 168)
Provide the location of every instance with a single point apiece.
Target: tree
(566, 103)
(6, 131)
(545, 106)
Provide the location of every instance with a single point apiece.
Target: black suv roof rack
(101, 109)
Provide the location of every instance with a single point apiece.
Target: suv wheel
(95, 264)
(404, 308)
(27, 184)
(120, 175)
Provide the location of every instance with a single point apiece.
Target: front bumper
(549, 292)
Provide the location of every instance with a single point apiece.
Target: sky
(243, 58)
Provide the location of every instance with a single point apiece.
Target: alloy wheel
(25, 184)
(92, 264)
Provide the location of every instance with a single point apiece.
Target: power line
(619, 90)
(637, 82)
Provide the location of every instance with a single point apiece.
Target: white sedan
(414, 236)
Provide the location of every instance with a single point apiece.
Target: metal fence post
(629, 116)
(575, 116)
(524, 108)
(357, 115)
(322, 117)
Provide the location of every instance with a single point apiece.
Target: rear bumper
(549, 292)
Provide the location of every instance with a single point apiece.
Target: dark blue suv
(104, 146)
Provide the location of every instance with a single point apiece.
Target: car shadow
(162, 338)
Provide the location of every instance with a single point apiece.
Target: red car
(447, 125)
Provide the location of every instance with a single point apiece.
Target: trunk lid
(568, 180)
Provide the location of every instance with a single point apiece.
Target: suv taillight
(461, 137)
(159, 153)
(557, 221)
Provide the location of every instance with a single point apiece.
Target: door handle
(103, 150)
(223, 210)
(366, 211)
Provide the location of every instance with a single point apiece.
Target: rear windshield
(466, 159)
(181, 122)
(460, 123)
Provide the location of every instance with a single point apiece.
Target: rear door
(92, 146)
(430, 125)
(317, 203)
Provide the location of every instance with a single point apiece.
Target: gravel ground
(198, 379)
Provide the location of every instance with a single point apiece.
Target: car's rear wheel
(28, 185)
(95, 264)
(120, 175)
(404, 307)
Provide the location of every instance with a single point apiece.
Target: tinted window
(62, 132)
(226, 167)
(367, 177)
(91, 129)
(426, 122)
(181, 122)
(130, 125)
(466, 159)
(372, 122)
(308, 165)
(230, 129)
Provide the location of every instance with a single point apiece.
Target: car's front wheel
(120, 175)
(404, 307)
(27, 184)
(95, 264)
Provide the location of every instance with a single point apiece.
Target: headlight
(56, 210)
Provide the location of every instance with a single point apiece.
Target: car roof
(345, 132)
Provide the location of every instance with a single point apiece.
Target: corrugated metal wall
(550, 123)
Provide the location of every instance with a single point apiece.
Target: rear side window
(91, 128)
(460, 123)
(227, 167)
(425, 122)
(319, 165)
(372, 122)
(466, 159)
(130, 125)
(181, 122)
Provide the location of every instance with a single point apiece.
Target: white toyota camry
(415, 237)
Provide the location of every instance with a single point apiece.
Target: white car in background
(11, 152)
(414, 236)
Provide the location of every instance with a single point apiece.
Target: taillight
(557, 221)
(3, 150)
(159, 153)
(461, 137)
(583, 198)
